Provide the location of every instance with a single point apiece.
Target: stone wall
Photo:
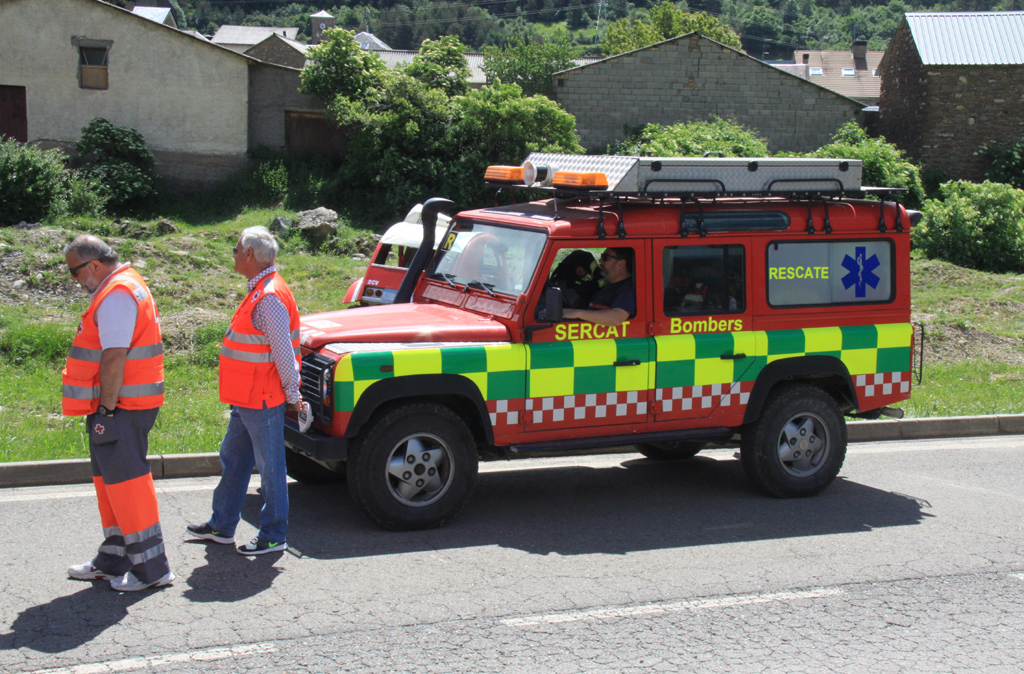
(690, 78)
(272, 91)
(274, 50)
(941, 115)
(902, 101)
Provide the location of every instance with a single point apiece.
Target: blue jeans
(254, 437)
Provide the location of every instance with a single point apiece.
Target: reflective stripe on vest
(248, 375)
(143, 383)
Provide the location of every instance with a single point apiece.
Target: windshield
(490, 257)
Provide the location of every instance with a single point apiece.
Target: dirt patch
(948, 343)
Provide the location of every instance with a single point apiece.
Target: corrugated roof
(250, 34)
(968, 38)
(158, 14)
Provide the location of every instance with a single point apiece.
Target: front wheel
(797, 445)
(414, 468)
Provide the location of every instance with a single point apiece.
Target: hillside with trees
(768, 29)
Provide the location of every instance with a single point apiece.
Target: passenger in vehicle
(577, 276)
(615, 303)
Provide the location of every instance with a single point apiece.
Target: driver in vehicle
(615, 303)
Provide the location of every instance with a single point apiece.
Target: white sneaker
(129, 583)
(87, 572)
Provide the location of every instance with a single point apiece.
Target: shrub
(884, 163)
(974, 225)
(85, 196)
(117, 158)
(33, 183)
(1007, 163)
(271, 179)
(694, 139)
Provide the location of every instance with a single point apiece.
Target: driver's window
(577, 273)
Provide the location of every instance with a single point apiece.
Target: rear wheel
(414, 468)
(671, 450)
(797, 445)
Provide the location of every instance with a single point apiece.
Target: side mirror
(552, 307)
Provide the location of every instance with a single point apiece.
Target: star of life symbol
(98, 429)
(861, 272)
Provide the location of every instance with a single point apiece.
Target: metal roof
(250, 35)
(968, 38)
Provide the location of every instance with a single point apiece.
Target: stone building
(691, 77)
(951, 82)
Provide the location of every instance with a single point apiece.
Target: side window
(832, 272)
(93, 56)
(704, 279)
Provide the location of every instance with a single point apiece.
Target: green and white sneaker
(259, 546)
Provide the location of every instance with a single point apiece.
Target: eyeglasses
(74, 270)
(606, 256)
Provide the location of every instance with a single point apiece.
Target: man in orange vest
(115, 378)
(259, 378)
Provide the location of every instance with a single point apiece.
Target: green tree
(693, 139)
(441, 64)
(884, 165)
(338, 67)
(665, 21)
(530, 64)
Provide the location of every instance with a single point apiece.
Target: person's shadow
(228, 576)
(69, 622)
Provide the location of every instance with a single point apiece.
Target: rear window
(830, 272)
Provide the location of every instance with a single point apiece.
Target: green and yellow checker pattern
(519, 371)
(864, 349)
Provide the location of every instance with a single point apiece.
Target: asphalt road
(911, 562)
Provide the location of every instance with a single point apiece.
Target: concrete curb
(77, 471)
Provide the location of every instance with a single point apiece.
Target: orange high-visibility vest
(143, 385)
(248, 375)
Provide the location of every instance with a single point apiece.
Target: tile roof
(370, 41)
(968, 38)
(859, 82)
(250, 35)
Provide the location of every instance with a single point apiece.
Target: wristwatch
(104, 412)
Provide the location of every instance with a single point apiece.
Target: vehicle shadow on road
(636, 505)
(69, 622)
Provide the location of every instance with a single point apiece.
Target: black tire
(798, 444)
(414, 468)
(307, 471)
(671, 450)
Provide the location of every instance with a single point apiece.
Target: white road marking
(86, 490)
(676, 607)
(135, 664)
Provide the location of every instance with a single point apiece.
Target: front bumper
(313, 443)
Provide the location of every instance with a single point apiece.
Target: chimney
(807, 58)
(860, 54)
(129, 5)
(320, 22)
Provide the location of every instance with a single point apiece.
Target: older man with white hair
(259, 378)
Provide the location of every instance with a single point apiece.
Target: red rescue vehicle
(770, 300)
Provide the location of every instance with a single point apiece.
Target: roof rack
(605, 176)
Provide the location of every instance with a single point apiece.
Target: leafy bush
(722, 136)
(117, 158)
(33, 183)
(271, 180)
(884, 163)
(85, 196)
(976, 226)
(1007, 163)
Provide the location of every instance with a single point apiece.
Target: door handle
(733, 356)
(626, 363)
